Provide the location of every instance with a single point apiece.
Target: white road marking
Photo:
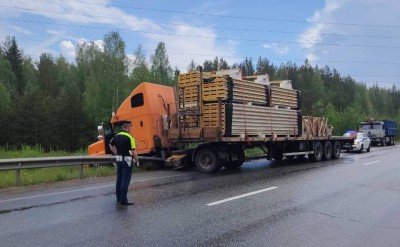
(90, 188)
(370, 163)
(240, 196)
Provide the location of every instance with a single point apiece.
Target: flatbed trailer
(211, 154)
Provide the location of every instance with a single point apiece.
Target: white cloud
(20, 30)
(67, 49)
(312, 58)
(355, 36)
(77, 12)
(277, 48)
(100, 44)
(187, 43)
(178, 43)
(313, 35)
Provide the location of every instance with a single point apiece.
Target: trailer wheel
(206, 160)
(318, 150)
(337, 148)
(327, 151)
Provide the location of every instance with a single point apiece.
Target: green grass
(253, 152)
(53, 174)
(46, 175)
(35, 151)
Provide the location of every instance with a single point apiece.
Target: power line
(196, 26)
(234, 16)
(242, 57)
(281, 59)
(250, 40)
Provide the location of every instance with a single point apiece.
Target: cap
(126, 123)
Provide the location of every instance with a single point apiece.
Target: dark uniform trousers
(124, 173)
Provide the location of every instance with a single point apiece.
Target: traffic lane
(149, 194)
(160, 213)
(356, 205)
(236, 221)
(166, 223)
(21, 198)
(70, 190)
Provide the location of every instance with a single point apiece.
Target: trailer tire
(336, 150)
(318, 150)
(207, 161)
(327, 151)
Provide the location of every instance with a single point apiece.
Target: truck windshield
(370, 126)
(365, 127)
(108, 134)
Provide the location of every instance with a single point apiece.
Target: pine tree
(264, 67)
(14, 56)
(160, 68)
(47, 75)
(191, 66)
(141, 72)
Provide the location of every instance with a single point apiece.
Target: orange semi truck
(213, 117)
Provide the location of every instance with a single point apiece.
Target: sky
(359, 38)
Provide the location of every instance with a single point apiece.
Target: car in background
(361, 142)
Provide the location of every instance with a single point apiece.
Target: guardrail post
(81, 175)
(18, 177)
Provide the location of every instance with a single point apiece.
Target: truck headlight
(100, 130)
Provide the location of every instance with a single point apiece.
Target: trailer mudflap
(175, 161)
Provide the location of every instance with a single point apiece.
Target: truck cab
(148, 108)
(380, 132)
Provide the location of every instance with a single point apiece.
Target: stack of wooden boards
(316, 127)
(248, 107)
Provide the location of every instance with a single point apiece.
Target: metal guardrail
(46, 162)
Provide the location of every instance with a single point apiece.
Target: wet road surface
(352, 201)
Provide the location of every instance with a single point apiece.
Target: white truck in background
(380, 132)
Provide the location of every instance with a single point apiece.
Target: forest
(57, 105)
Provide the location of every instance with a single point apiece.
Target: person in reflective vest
(123, 145)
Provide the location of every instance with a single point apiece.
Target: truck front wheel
(206, 160)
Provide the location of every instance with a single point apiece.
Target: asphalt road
(352, 201)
